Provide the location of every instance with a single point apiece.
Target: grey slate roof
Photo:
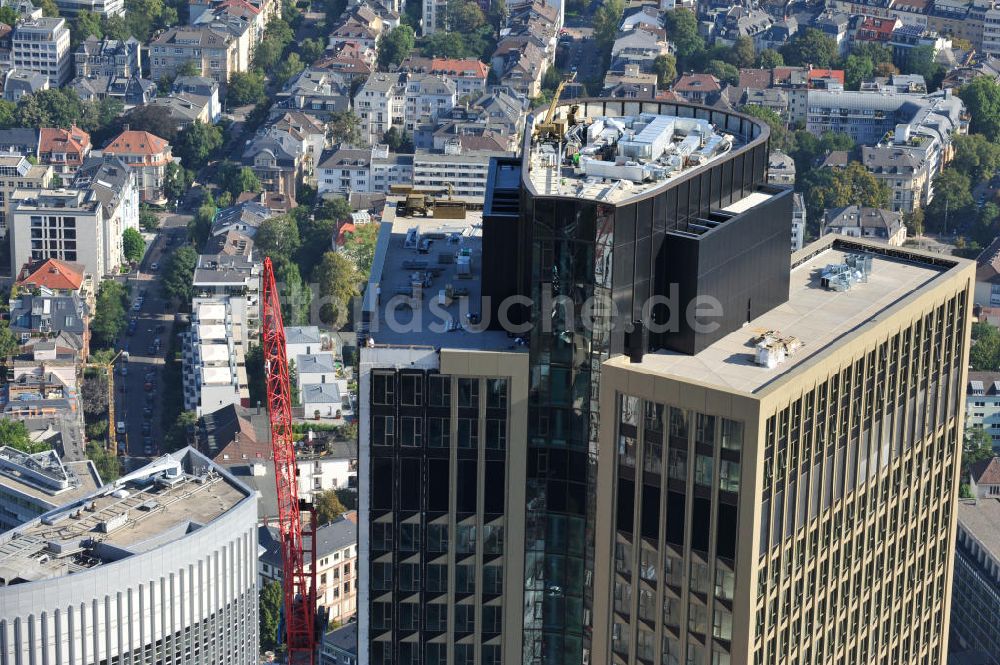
(315, 363)
(302, 335)
(321, 393)
(107, 176)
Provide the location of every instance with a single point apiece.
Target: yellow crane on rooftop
(109, 367)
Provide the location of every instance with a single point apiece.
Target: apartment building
(428, 97)
(63, 224)
(42, 46)
(381, 105)
(798, 221)
(231, 275)
(467, 74)
(976, 589)
(336, 565)
(214, 358)
(344, 170)
(108, 57)
(17, 173)
(63, 149)
(462, 172)
(982, 404)
(217, 52)
(863, 222)
(147, 155)
(105, 8)
(115, 186)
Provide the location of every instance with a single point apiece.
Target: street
(138, 400)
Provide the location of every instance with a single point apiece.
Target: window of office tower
(675, 529)
(438, 527)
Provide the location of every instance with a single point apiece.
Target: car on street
(154, 266)
(147, 428)
(120, 427)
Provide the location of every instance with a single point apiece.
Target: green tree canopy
(398, 140)
(744, 53)
(464, 16)
(237, 179)
(682, 31)
(606, 20)
(109, 314)
(269, 615)
(977, 446)
(13, 433)
(179, 276)
(976, 156)
(835, 188)
(288, 68)
(359, 247)
(245, 88)
(952, 201)
(344, 127)
(189, 68)
(665, 66)
(153, 119)
(982, 100)
(133, 246)
(773, 120)
(723, 71)
(278, 237)
(196, 143)
(338, 282)
(769, 59)
(328, 506)
(857, 68)
(810, 47)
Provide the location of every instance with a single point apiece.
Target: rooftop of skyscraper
(816, 318)
(44, 476)
(160, 503)
(980, 518)
(610, 151)
(425, 287)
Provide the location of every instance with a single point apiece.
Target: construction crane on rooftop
(109, 367)
(549, 128)
(296, 538)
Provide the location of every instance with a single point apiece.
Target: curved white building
(158, 567)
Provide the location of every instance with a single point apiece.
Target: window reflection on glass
(703, 470)
(732, 433)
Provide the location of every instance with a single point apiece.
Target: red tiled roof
(755, 79)
(986, 472)
(465, 67)
(697, 83)
(132, 142)
(56, 139)
(240, 4)
(827, 73)
(53, 274)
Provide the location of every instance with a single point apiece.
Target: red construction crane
(299, 583)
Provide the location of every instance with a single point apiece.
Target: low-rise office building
(975, 601)
(33, 484)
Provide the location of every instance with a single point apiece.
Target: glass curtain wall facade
(593, 267)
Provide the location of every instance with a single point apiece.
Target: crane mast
(296, 538)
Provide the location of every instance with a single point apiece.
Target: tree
(398, 140)
(14, 433)
(836, 188)
(296, 297)
(395, 46)
(328, 506)
(857, 68)
(464, 17)
(108, 465)
(109, 318)
(8, 15)
(49, 8)
(312, 50)
(810, 47)
(914, 221)
(952, 200)
(976, 156)
(237, 179)
(774, 121)
(133, 246)
(87, 24)
(179, 275)
(359, 247)
(769, 59)
(9, 345)
(288, 68)
(148, 220)
(245, 88)
(153, 119)
(443, 44)
(338, 283)
(200, 227)
(278, 237)
(723, 71)
(977, 446)
(920, 60)
(606, 20)
(665, 66)
(178, 434)
(8, 111)
(744, 54)
(267, 54)
(189, 68)
(269, 614)
(982, 100)
(196, 143)
(55, 107)
(682, 31)
(176, 181)
(344, 127)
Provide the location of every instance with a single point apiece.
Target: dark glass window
(437, 577)
(409, 537)
(409, 577)
(438, 433)
(409, 618)
(493, 580)
(410, 432)
(465, 578)
(411, 389)
(496, 434)
(382, 537)
(438, 390)
(468, 393)
(382, 576)
(437, 537)
(383, 388)
(383, 430)
(468, 433)
(496, 393)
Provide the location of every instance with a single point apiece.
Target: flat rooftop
(156, 505)
(981, 518)
(613, 158)
(45, 477)
(817, 317)
(426, 278)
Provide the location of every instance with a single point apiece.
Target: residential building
(63, 224)
(317, 91)
(226, 437)
(63, 149)
(108, 57)
(468, 75)
(798, 221)
(984, 478)
(982, 404)
(629, 82)
(41, 46)
(906, 165)
(63, 317)
(33, 484)
(192, 99)
(350, 61)
(336, 565)
(115, 185)
(867, 116)
(276, 159)
(344, 170)
(520, 63)
(17, 173)
(105, 8)
(870, 223)
(315, 369)
(215, 372)
(234, 277)
(780, 169)
(132, 91)
(742, 21)
(987, 292)
(463, 173)
(976, 587)
(428, 97)
(243, 217)
(57, 277)
(141, 593)
(18, 83)
(697, 88)
(308, 131)
(434, 16)
(323, 401)
(389, 168)
(639, 46)
(961, 19)
(146, 154)
(340, 646)
(304, 340)
(19, 139)
(381, 105)
(217, 53)
(332, 468)
(902, 83)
